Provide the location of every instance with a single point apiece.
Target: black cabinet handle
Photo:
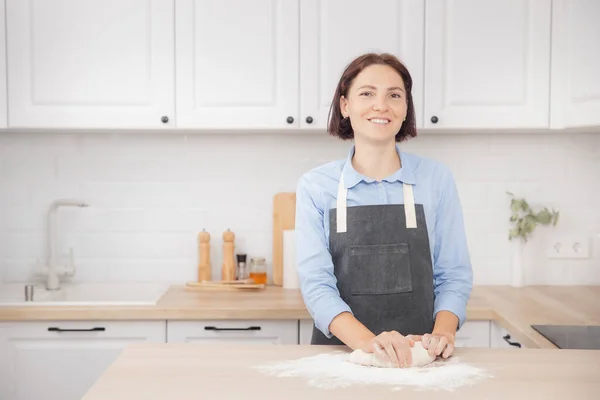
(55, 329)
(309, 120)
(214, 328)
(290, 120)
(434, 119)
(507, 340)
(164, 119)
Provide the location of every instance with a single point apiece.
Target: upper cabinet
(90, 63)
(3, 99)
(334, 32)
(575, 63)
(237, 63)
(487, 63)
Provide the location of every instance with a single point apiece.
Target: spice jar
(258, 270)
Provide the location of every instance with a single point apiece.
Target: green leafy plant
(525, 220)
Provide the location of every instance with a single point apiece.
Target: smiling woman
(381, 250)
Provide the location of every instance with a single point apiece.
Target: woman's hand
(439, 343)
(391, 347)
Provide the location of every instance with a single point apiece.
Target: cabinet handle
(434, 119)
(55, 329)
(309, 120)
(164, 119)
(214, 328)
(507, 340)
(290, 120)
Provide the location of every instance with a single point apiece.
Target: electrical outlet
(568, 247)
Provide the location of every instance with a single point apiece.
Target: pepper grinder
(228, 268)
(204, 256)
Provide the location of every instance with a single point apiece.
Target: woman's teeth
(379, 121)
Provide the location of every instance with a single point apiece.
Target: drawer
(473, 334)
(233, 331)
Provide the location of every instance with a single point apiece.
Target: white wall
(150, 194)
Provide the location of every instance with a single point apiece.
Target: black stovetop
(571, 336)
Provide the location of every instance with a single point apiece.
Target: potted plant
(524, 221)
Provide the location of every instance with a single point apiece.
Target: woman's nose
(380, 104)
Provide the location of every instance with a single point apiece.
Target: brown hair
(341, 127)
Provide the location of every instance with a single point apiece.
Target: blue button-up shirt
(433, 187)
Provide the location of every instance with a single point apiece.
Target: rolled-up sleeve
(313, 260)
(452, 271)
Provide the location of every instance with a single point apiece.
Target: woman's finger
(391, 352)
(425, 340)
(449, 351)
(441, 345)
(432, 346)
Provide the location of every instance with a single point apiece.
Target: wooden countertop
(190, 371)
(514, 309)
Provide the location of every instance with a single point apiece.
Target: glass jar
(258, 270)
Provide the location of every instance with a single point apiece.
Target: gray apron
(382, 262)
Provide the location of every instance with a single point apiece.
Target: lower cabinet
(61, 360)
(233, 331)
(501, 338)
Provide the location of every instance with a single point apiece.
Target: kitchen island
(189, 371)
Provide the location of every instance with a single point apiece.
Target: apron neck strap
(409, 206)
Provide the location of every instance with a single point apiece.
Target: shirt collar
(351, 177)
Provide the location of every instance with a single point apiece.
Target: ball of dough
(420, 357)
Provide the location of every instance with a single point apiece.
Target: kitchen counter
(190, 371)
(514, 309)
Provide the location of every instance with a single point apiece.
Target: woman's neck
(376, 161)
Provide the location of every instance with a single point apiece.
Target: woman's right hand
(391, 347)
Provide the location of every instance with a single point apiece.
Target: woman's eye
(366, 94)
(396, 95)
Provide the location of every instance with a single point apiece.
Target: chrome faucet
(53, 270)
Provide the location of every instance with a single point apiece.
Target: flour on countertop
(333, 370)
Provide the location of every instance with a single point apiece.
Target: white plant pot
(517, 263)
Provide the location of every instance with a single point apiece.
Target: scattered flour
(333, 370)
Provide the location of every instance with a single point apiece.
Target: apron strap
(409, 206)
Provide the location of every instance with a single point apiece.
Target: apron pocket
(380, 269)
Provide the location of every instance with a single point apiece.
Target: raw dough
(420, 357)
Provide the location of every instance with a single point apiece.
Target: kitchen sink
(83, 294)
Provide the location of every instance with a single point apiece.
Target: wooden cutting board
(284, 218)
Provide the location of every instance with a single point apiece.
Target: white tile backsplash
(150, 194)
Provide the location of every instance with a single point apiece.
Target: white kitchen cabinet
(575, 63)
(501, 338)
(3, 99)
(39, 362)
(233, 331)
(90, 63)
(473, 334)
(237, 63)
(305, 331)
(487, 64)
(334, 32)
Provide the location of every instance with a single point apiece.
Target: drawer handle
(507, 340)
(55, 329)
(214, 328)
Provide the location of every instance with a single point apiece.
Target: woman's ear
(343, 106)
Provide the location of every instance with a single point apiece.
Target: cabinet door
(487, 64)
(334, 32)
(237, 63)
(3, 100)
(473, 334)
(306, 330)
(501, 338)
(42, 363)
(227, 331)
(90, 63)
(575, 63)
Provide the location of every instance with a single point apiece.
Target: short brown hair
(341, 127)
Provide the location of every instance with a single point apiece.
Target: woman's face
(376, 103)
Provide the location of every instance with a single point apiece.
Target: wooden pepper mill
(204, 269)
(228, 268)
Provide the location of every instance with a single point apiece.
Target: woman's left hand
(439, 343)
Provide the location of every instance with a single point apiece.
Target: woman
(381, 249)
